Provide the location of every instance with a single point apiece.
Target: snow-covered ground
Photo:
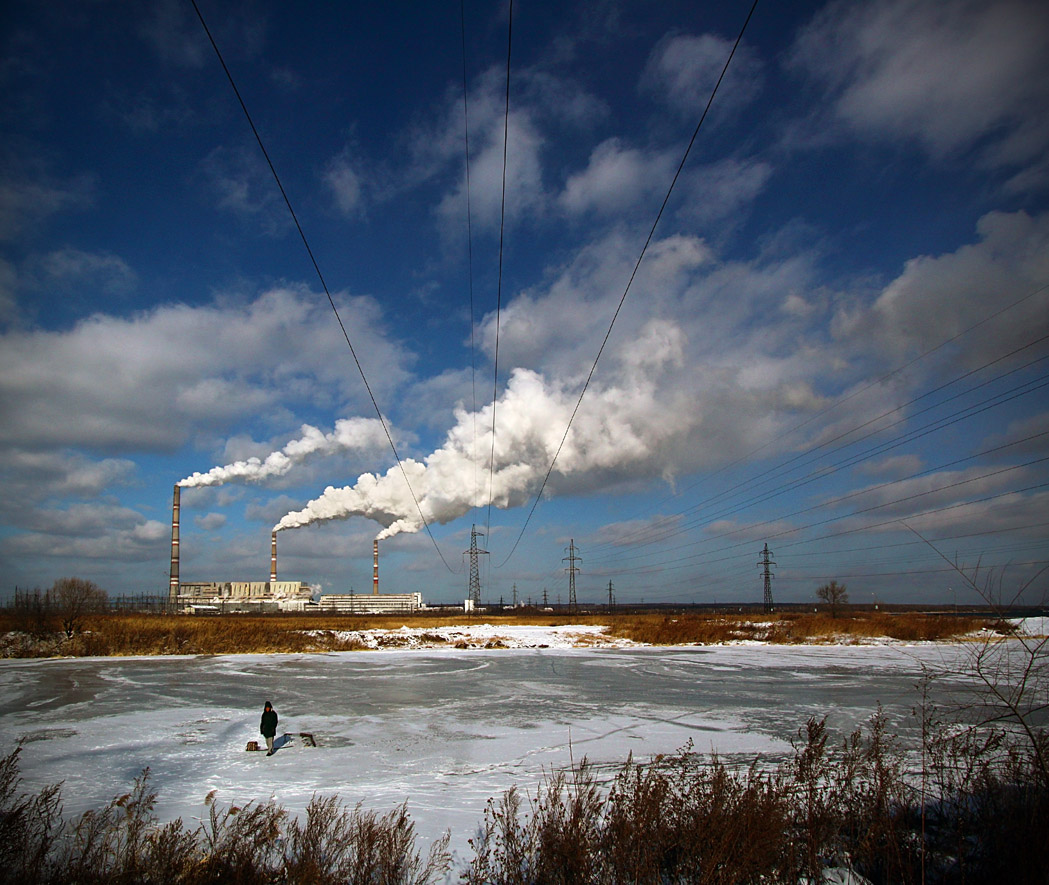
(444, 728)
(485, 636)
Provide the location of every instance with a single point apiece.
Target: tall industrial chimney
(173, 586)
(375, 567)
(273, 560)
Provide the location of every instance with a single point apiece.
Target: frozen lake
(443, 729)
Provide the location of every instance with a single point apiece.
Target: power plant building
(245, 596)
(274, 595)
(371, 604)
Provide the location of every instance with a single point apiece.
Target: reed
(153, 634)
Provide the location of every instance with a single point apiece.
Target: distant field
(150, 634)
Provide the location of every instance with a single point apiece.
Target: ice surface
(444, 729)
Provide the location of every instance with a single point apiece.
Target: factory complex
(201, 597)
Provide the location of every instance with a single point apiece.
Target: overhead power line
(499, 283)
(320, 276)
(469, 232)
(630, 281)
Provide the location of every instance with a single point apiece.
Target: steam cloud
(617, 428)
(349, 434)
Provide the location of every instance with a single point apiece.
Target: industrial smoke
(619, 427)
(350, 434)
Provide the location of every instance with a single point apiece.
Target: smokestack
(375, 567)
(273, 558)
(173, 586)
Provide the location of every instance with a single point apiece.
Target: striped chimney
(173, 585)
(273, 558)
(375, 567)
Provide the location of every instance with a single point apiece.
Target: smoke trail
(349, 434)
(621, 429)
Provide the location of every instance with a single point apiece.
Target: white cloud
(345, 185)
(209, 522)
(684, 69)
(153, 380)
(947, 74)
(722, 190)
(70, 268)
(26, 201)
(937, 297)
(616, 179)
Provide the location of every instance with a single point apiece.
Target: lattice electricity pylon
(572, 569)
(766, 562)
(475, 572)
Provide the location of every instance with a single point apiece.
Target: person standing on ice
(268, 727)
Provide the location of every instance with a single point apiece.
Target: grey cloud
(945, 74)
(153, 380)
(683, 70)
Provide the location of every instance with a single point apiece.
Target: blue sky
(838, 329)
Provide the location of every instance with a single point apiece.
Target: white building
(374, 603)
(245, 595)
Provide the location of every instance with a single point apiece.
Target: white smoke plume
(618, 429)
(350, 434)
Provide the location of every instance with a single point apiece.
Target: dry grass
(150, 634)
(791, 628)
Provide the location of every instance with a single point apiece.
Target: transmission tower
(475, 572)
(765, 562)
(611, 597)
(572, 569)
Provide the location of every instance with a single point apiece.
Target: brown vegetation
(695, 820)
(153, 634)
(791, 628)
(976, 811)
(257, 843)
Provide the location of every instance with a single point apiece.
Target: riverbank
(116, 635)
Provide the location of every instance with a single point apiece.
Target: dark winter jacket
(268, 726)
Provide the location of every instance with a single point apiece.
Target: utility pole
(572, 569)
(766, 562)
(475, 572)
(611, 597)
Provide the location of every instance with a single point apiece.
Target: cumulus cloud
(616, 179)
(28, 199)
(153, 380)
(937, 297)
(949, 75)
(69, 268)
(345, 186)
(683, 70)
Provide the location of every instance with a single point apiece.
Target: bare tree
(73, 599)
(834, 595)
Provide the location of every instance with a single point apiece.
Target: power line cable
(874, 383)
(320, 276)
(499, 284)
(677, 528)
(469, 232)
(797, 460)
(630, 282)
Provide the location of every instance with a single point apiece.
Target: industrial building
(232, 596)
(244, 596)
(371, 604)
(274, 595)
